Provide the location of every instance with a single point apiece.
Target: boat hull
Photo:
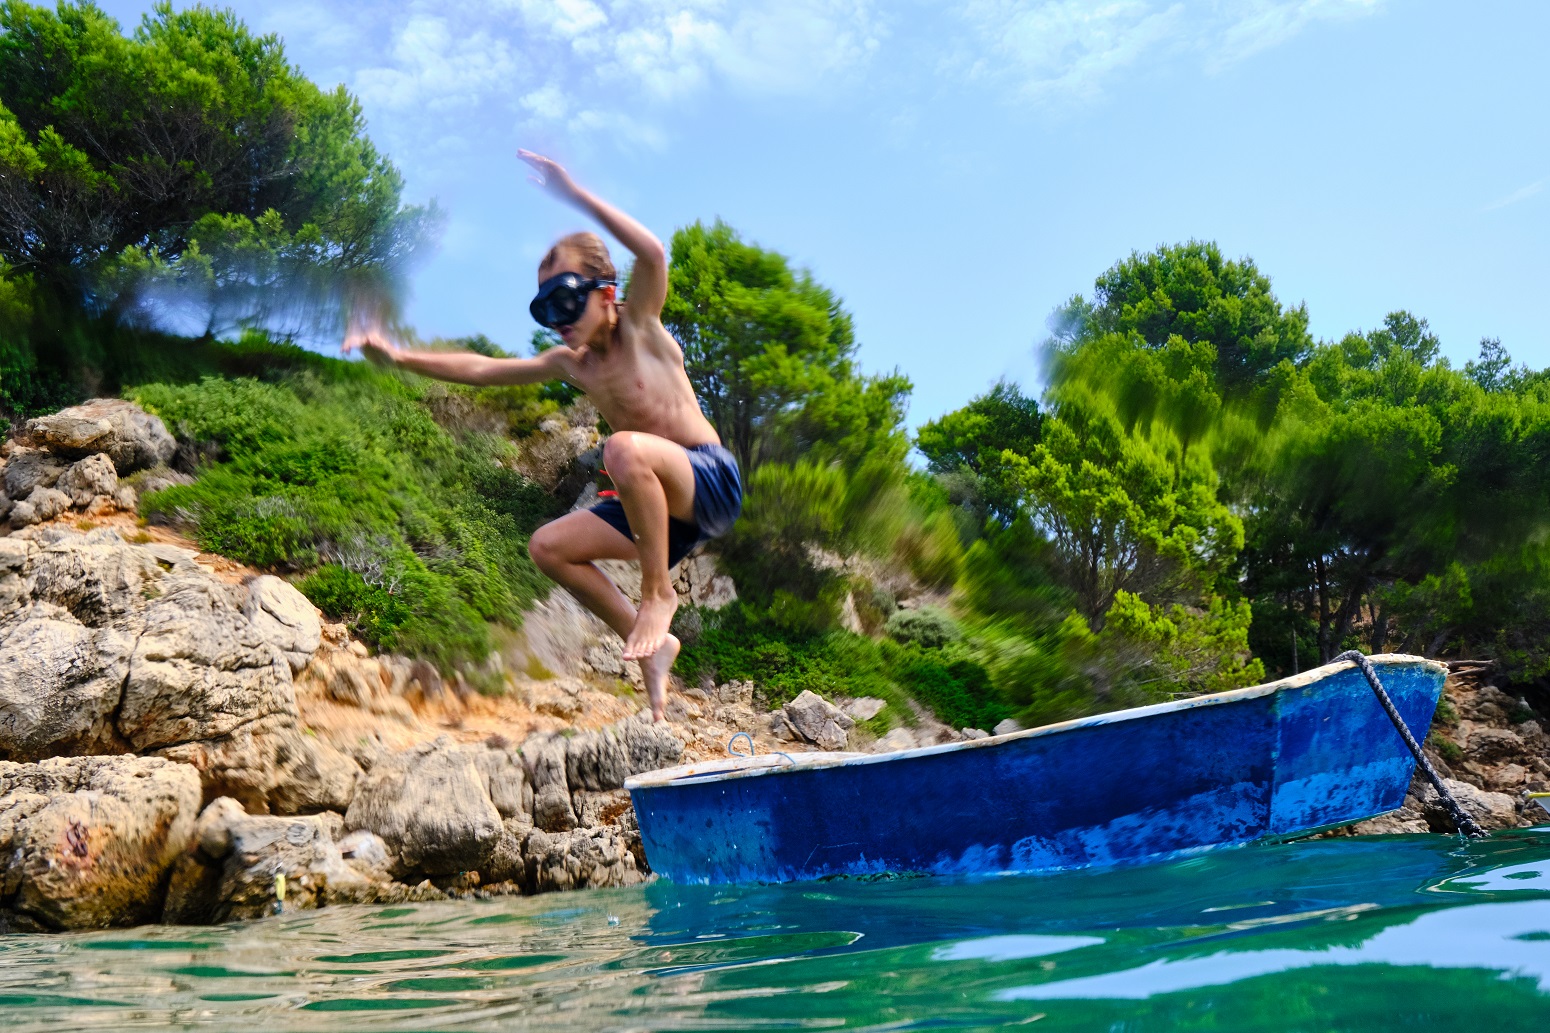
(1156, 782)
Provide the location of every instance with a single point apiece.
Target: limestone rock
(505, 779)
(212, 832)
(508, 863)
(87, 479)
(43, 504)
(580, 859)
(131, 437)
(302, 849)
(1490, 810)
(97, 576)
(865, 708)
(157, 478)
(60, 682)
(818, 721)
(431, 807)
(126, 498)
(896, 739)
(85, 842)
(285, 618)
(1006, 727)
(974, 733)
(200, 669)
(1488, 745)
(552, 809)
(594, 809)
(603, 759)
(30, 468)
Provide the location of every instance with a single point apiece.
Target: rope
(740, 735)
(1461, 818)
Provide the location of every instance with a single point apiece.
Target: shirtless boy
(677, 485)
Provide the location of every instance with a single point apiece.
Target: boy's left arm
(648, 280)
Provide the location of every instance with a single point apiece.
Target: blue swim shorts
(718, 499)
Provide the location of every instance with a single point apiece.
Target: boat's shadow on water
(1386, 932)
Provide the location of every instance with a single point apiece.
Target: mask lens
(560, 301)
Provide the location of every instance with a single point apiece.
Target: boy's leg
(655, 480)
(564, 549)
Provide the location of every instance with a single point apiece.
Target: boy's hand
(374, 349)
(551, 176)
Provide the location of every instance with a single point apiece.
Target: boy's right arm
(464, 367)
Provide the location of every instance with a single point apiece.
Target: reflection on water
(1412, 932)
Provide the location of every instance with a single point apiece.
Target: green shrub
(415, 535)
(742, 641)
(929, 626)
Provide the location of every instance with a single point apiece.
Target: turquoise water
(1407, 932)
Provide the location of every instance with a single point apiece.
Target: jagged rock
(1006, 727)
(302, 849)
(85, 842)
(60, 683)
(818, 721)
(578, 859)
(600, 808)
(87, 479)
(896, 739)
(126, 498)
(159, 477)
(545, 757)
(508, 863)
(313, 776)
(97, 576)
(974, 733)
(1490, 810)
(284, 617)
(200, 669)
(131, 437)
(367, 850)
(1488, 745)
(603, 759)
(43, 504)
(865, 708)
(30, 468)
(505, 779)
(212, 832)
(430, 805)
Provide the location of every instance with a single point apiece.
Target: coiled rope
(1461, 818)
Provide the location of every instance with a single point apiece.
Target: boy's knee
(621, 454)
(544, 550)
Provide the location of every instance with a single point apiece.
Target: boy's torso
(638, 383)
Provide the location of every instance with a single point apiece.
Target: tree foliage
(114, 143)
(772, 355)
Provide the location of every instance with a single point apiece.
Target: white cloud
(1068, 49)
(437, 66)
(1521, 194)
(1256, 25)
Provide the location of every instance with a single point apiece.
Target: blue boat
(1274, 761)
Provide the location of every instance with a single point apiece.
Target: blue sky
(956, 170)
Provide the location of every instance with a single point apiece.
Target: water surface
(1405, 932)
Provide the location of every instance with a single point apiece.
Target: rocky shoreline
(184, 740)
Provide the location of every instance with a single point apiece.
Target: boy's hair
(590, 253)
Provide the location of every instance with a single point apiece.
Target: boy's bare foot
(652, 620)
(654, 670)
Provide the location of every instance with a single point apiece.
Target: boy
(677, 485)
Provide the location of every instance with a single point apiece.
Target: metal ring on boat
(741, 735)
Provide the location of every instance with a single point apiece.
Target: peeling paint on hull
(1138, 785)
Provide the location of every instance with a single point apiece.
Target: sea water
(1402, 932)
